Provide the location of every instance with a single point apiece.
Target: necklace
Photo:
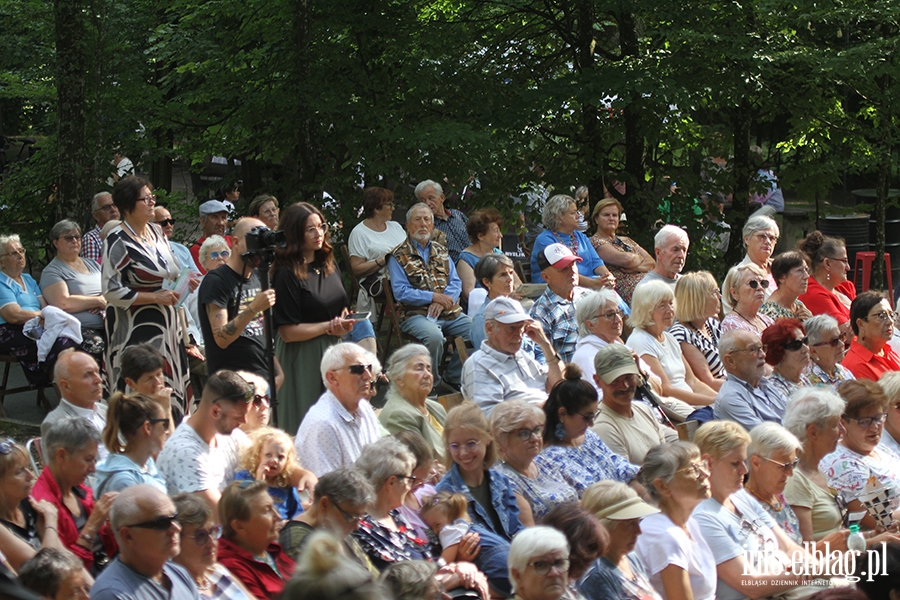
(777, 506)
(135, 233)
(753, 322)
(203, 584)
(573, 242)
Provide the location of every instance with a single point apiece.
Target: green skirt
(302, 379)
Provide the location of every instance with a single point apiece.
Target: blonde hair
(604, 494)
(733, 280)
(469, 416)
(718, 438)
(251, 457)
(643, 302)
(691, 291)
(17, 455)
(454, 506)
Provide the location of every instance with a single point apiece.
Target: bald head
(143, 520)
(78, 377)
(244, 225)
(132, 503)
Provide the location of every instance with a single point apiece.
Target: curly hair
(776, 335)
(480, 222)
(252, 455)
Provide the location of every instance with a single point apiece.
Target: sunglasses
(755, 283)
(7, 446)
(161, 420)
(159, 523)
(166, 222)
(833, 343)
(357, 369)
(260, 399)
(246, 396)
(202, 537)
(70, 238)
(217, 254)
(795, 345)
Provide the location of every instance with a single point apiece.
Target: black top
(247, 352)
(315, 299)
(29, 533)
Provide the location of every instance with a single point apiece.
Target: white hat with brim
(630, 508)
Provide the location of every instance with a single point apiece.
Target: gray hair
(126, 508)
(890, 383)
(644, 300)
(531, 542)
(428, 183)
(384, 458)
(401, 358)
(213, 241)
(191, 509)
(817, 326)
(664, 236)
(589, 305)
(510, 415)
(418, 206)
(335, 357)
(811, 406)
(45, 572)
(71, 434)
(345, 486)
(489, 265)
(63, 227)
(95, 202)
(768, 438)
(730, 340)
(757, 224)
(555, 208)
(5, 239)
(663, 461)
(409, 579)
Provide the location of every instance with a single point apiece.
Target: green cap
(613, 361)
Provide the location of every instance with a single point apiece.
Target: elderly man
(164, 219)
(747, 397)
(201, 456)
(500, 370)
(341, 422)
(451, 222)
(629, 428)
(671, 247)
(425, 283)
(147, 530)
(103, 210)
(213, 219)
(81, 392)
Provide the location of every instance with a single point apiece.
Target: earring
(559, 432)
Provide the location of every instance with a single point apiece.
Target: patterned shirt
(581, 466)
(544, 492)
(557, 315)
(817, 376)
(848, 471)
(189, 464)
(786, 386)
(777, 311)
(708, 346)
(454, 227)
(92, 245)
(490, 377)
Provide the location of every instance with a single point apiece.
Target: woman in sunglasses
(199, 538)
(787, 351)
(143, 424)
(827, 348)
(870, 356)
(745, 291)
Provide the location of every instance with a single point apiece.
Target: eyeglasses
(766, 237)
(542, 567)
(884, 316)
(247, 396)
(527, 434)
(795, 345)
(148, 199)
(752, 349)
(786, 467)
(357, 369)
(843, 260)
(755, 283)
(7, 446)
(70, 238)
(202, 537)
(107, 207)
(260, 399)
(311, 231)
(165, 420)
(470, 446)
(217, 254)
(591, 417)
(695, 470)
(351, 519)
(166, 222)
(613, 314)
(412, 478)
(159, 523)
(867, 422)
(19, 252)
(833, 343)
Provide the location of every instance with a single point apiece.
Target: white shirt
(96, 418)
(372, 245)
(490, 377)
(189, 464)
(662, 543)
(667, 352)
(330, 438)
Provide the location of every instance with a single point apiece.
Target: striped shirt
(708, 346)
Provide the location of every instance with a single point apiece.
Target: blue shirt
(183, 255)
(287, 500)
(407, 294)
(503, 500)
(590, 260)
(592, 461)
(12, 293)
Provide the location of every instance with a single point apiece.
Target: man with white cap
(500, 370)
(628, 428)
(213, 219)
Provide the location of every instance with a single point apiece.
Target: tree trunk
(304, 151)
(884, 183)
(740, 207)
(634, 139)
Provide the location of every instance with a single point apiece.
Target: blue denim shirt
(502, 497)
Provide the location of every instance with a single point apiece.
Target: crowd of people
(561, 473)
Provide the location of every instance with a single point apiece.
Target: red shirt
(195, 252)
(822, 302)
(865, 365)
(258, 577)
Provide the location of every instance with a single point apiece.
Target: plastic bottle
(856, 541)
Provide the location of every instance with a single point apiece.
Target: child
(270, 457)
(448, 516)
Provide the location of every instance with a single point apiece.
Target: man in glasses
(201, 456)
(144, 521)
(103, 210)
(81, 393)
(500, 370)
(213, 219)
(747, 396)
(671, 246)
(341, 422)
(163, 218)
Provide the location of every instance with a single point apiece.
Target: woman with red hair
(787, 351)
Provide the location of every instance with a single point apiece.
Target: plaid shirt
(557, 315)
(454, 227)
(92, 245)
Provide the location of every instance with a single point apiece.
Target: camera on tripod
(261, 238)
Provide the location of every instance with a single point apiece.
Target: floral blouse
(777, 311)
(785, 386)
(542, 493)
(785, 517)
(385, 546)
(817, 376)
(581, 466)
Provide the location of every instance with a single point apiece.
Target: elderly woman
(538, 564)
(138, 264)
(55, 575)
(470, 455)
(326, 573)
(199, 537)
(772, 459)
(408, 406)
(570, 447)
(860, 455)
(790, 271)
(561, 223)
(677, 559)
(870, 356)
(760, 234)
(697, 328)
(72, 283)
(745, 292)
(890, 437)
(626, 259)
(619, 573)
(652, 313)
(371, 241)
(787, 351)
(496, 274)
(214, 253)
(484, 233)
(827, 348)
(70, 449)
(247, 547)
(518, 429)
(748, 545)
(587, 539)
(265, 208)
(828, 291)
(600, 322)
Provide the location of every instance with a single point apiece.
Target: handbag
(373, 285)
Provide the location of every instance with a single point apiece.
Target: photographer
(233, 327)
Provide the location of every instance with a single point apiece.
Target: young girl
(270, 458)
(448, 516)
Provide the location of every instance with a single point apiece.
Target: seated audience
(890, 437)
(325, 573)
(104, 211)
(697, 328)
(555, 308)
(342, 422)
(81, 393)
(624, 257)
(587, 537)
(451, 223)
(265, 208)
(828, 290)
(599, 323)
(501, 370)
(618, 573)
(827, 348)
(411, 580)
(270, 457)
(495, 273)
(870, 355)
(772, 458)
(55, 575)
(518, 430)
(247, 547)
(744, 292)
(747, 396)
(538, 564)
(677, 559)
(791, 274)
(427, 472)
(485, 234)
(670, 244)
(760, 234)
(32, 521)
(570, 447)
(787, 352)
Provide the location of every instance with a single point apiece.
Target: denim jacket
(502, 497)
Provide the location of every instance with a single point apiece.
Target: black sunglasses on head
(159, 523)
